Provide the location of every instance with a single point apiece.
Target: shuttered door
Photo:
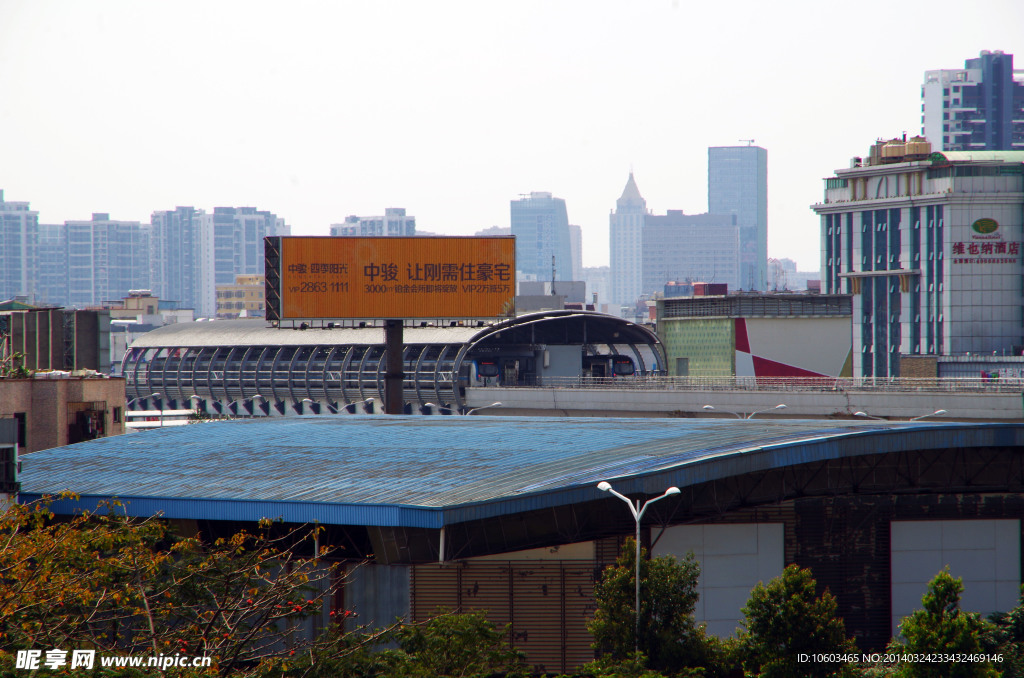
(548, 604)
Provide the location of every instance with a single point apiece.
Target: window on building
(116, 416)
(22, 419)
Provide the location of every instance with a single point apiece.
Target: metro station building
(245, 367)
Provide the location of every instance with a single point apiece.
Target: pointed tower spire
(631, 195)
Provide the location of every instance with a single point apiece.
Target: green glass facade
(699, 347)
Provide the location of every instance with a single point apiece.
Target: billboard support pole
(393, 375)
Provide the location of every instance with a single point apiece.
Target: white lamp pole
(780, 406)
(477, 409)
(638, 513)
(936, 413)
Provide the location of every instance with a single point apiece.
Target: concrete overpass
(666, 397)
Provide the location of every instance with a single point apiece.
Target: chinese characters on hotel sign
(986, 246)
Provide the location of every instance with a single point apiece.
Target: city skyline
(129, 109)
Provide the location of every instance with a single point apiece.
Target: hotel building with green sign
(929, 245)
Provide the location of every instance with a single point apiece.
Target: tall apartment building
(176, 255)
(232, 245)
(576, 247)
(106, 259)
(18, 256)
(394, 222)
(625, 233)
(738, 185)
(977, 107)
(929, 244)
(52, 260)
(540, 224)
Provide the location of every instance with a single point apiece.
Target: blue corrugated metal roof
(429, 471)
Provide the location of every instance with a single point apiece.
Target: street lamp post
(638, 514)
(780, 406)
(151, 395)
(868, 416)
(360, 405)
(245, 400)
(710, 408)
(477, 409)
(936, 413)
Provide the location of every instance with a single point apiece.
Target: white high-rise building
(626, 240)
(19, 235)
(394, 222)
(576, 246)
(232, 245)
(176, 255)
(106, 259)
(977, 107)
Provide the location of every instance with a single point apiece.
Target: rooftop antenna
(750, 142)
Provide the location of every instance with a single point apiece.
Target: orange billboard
(396, 277)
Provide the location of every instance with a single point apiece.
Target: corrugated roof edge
(923, 435)
(253, 511)
(849, 443)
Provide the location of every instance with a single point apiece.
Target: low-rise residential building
(246, 298)
(59, 408)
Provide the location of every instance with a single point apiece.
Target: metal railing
(893, 384)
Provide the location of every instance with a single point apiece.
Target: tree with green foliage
(13, 367)
(117, 585)
(456, 645)
(943, 628)
(669, 638)
(785, 619)
(124, 586)
(1005, 636)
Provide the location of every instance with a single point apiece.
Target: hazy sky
(318, 110)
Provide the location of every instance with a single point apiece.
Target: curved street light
(868, 416)
(638, 514)
(710, 408)
(936, 413)
(245, 400)
(360, 404)
(151, 395)
(312, 404)
(780, 406)
(477, 409)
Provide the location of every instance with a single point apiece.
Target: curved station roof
(418, 472)
(227, 364)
